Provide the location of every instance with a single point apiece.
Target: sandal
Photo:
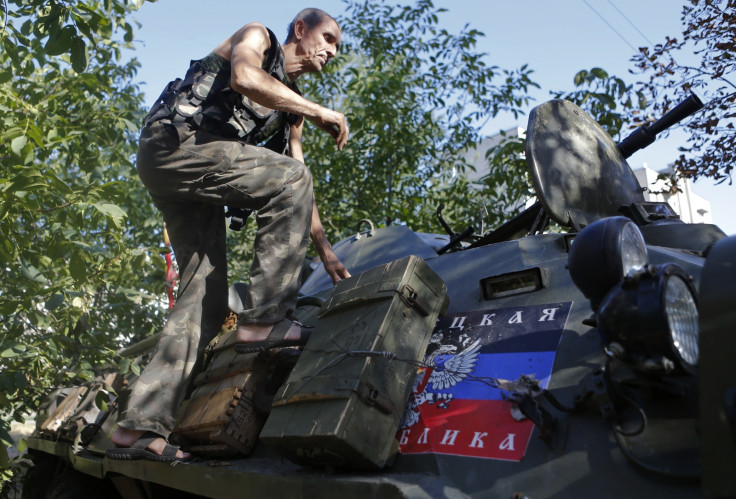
(276, 338)
(139, 451)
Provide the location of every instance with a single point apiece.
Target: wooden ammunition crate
(79, 407)
(343, 402)
(231, 399)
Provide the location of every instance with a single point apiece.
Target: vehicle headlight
(603, 253)
(682, 317)
(653, 315)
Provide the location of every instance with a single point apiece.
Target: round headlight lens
(633, 249)
(603, 253)
(653, 315)
(682, 318)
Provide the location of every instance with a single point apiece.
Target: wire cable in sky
(610, 26)
(631, 23)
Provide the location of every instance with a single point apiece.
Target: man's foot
(259, 332)
(259, 337)
(130, 445)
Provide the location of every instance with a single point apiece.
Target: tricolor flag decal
(456, 408)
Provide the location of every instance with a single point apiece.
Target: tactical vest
(205, 100)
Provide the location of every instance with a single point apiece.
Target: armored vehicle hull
(566, 364)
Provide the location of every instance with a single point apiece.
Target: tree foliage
(416, 97)
(506, 188)
(708, 28)
(77, 231)
(607, 98)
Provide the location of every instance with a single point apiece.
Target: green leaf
(78, 268)
(58, 184)
(56, 300)
(27, 27)
(101, 400)
(124, 365)
(83, 26)
(35, 134)
(579, 78)
(32, 273)
(79, 55)
(60, 40)
(21, 382)
(12, 52)
(7, 385)
(110, 210)
(642, 101)
(599, 73)
(113, 211)
(5, 75)
(8, 308)
(18, 144)
(22, 446)
(82, 244)
(128, 37)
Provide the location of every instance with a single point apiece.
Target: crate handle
(411, 298)
(373, 397)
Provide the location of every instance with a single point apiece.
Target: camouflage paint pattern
(192, 175)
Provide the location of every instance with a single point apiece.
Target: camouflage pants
(191, 177)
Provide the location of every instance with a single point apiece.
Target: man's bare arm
(333, 266)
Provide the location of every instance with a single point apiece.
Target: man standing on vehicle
(199, 152)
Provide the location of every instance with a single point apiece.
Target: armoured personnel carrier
(594, 362)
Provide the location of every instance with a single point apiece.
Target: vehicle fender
(718, 369)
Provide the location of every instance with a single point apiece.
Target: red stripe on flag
(475, 428)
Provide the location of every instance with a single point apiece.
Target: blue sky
(555, 38)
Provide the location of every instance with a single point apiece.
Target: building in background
(691, 207)
(477, 155)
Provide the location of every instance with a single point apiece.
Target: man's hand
(333, 266)
(334, 123)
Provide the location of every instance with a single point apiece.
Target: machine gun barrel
(643, 136)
